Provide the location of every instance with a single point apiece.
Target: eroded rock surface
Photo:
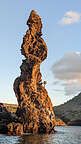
(6, 117)
(34, 105)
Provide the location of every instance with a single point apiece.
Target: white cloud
(68, 69)
(56, 82)
(70, 17)
(72, 87)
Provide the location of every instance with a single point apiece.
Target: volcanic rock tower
(34, 106)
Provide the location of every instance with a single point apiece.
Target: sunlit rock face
(34, 105)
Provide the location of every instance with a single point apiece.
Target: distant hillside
(70, 112)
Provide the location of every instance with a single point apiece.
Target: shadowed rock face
(6, 117)
(34, 106)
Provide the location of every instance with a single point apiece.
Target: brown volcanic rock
(33, 44)
(6, 117)
(15, 129)
(34, 23)
(34, 105)
(59, 122)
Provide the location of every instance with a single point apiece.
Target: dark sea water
(64, 135)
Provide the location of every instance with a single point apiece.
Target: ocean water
(64, 135)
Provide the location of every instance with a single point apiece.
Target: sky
(62, 33)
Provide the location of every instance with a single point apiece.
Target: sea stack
(34, 105)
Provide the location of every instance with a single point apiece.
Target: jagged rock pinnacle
(34, 105)
(34, 23)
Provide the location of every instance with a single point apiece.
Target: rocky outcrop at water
(34, 105)
(59, 122)
(6, 117)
